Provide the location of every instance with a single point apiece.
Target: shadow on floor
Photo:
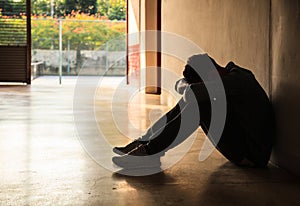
(227, 185)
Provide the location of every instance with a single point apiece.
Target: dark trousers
(183, 119)
(173, 128)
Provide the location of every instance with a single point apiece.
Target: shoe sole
(135, 162)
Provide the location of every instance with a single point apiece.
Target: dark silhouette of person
(248, 129)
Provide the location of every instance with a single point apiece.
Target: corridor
(43, 161)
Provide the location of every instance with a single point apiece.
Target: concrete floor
(44, 162)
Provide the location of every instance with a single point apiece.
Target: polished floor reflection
(43, 161)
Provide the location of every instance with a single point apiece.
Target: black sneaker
(128, 148)
(137, 158)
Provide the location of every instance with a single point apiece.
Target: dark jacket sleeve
(237, 82)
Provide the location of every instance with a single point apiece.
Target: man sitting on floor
(248, 132)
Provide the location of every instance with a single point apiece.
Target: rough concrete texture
(286, 81)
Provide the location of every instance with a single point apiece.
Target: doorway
(143, 29)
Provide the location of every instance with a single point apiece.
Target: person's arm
(233, 84)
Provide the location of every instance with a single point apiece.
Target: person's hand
(181, 86)
(187, 94)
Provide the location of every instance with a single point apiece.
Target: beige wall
(261, 35)
(235, 30)
(286, 81)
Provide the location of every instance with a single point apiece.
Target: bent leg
(159, 125)
(177, 129)
(153, 131)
